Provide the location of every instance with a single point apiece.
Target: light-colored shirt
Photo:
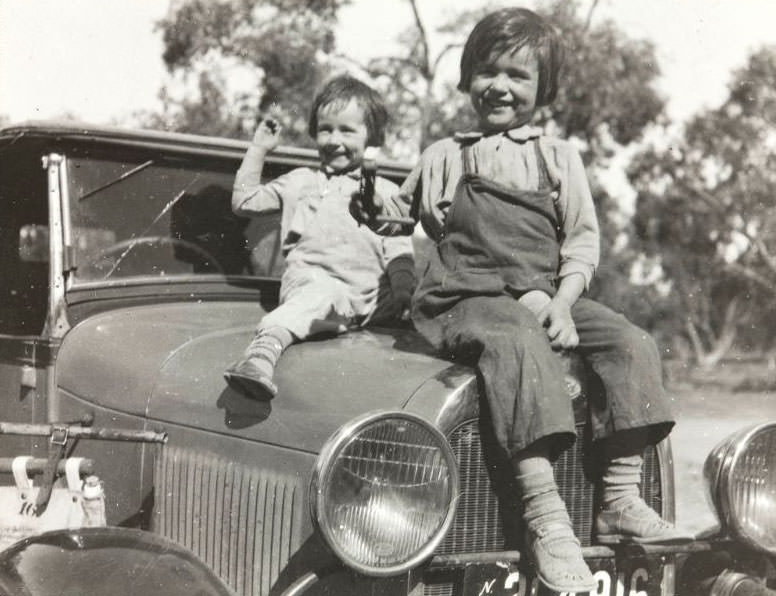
(316, 226)
(510, 159)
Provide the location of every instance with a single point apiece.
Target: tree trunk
(708, 358)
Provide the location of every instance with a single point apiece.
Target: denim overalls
(499, 243)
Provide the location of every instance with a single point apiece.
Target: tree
(706, 208)
(607, 97)
(277, 45)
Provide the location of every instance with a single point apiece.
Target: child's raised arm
(246, 195)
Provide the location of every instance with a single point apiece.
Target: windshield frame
(143, 162)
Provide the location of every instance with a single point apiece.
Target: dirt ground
(710, 406)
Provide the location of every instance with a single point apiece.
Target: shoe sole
(567, 589)
(263, 389)
(610, 539)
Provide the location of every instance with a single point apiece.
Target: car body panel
(166, 362)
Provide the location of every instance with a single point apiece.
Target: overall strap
(467, 159)
(545, 182)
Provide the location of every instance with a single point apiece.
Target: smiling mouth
(494, 105)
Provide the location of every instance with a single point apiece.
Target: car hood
(166, 363)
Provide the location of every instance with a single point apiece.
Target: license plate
(624, 577)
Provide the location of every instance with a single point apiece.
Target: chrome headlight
(740, 475)
(384, 491)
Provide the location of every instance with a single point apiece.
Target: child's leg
(627, 361)
(636, 412)
(535, 301)
(522, 377)
(625, 516)
(531, 416)
(556, 551)
(310, 305)
(253, 374)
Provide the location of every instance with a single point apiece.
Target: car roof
(73, 132)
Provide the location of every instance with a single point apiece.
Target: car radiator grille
(243, 522)
(488, 516)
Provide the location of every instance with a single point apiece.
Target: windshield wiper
(121, 178)
(142, 234)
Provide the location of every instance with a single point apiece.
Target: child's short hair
(341, 90)
(508, 30)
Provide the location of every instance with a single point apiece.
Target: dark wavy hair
(508, 30)
(338, 92)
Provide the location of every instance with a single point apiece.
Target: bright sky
(101, 61)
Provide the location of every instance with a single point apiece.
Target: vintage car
(128, 285)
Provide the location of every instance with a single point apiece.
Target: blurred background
(672, 104)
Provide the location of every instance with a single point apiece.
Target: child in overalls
(516, 245)
(337, 274)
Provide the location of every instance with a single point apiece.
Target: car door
(26, 352)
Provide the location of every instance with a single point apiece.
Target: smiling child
(337, 274)
(517, 244)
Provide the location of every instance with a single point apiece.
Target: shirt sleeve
(249, 195)
(399, 244)
(580, 237)
(423, 195)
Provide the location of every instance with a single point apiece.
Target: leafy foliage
(608, 80)
(706, 207)
(282, 41)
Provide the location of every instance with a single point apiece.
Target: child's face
(341, 137)
(503, 91)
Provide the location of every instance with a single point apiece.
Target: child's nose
(500, 82)
(334, 138)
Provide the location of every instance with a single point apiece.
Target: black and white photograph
(388, 298)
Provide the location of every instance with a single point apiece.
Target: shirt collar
(520, 135)
(355, 173)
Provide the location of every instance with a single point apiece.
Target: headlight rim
(734, 446)
(323, 469)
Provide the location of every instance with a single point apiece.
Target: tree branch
(752, 275)
(398, 61)
(590, 11)
(704, 195)
(726, 336)
(425, 68)
(770, 260)
(695, 340)
(447, 48)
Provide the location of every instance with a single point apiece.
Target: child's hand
(267, 135)
(362, 212)
(556, 317)
(535, 300)
(401, 305)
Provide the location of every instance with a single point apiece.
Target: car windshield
(163, 218)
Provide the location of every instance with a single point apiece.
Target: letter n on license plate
(626, 577)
